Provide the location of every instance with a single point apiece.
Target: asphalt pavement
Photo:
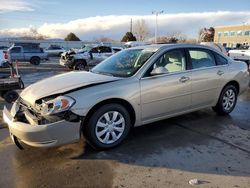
(201, 145)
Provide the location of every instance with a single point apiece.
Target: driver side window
(170, 62)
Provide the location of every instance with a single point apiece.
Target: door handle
(220, 72)
(184, 79)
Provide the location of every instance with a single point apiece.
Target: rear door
(208, 76)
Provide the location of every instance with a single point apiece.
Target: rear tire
(35, 61)
(10, 96)
(227, 100)
(107, 127)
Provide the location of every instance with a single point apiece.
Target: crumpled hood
(62, 83)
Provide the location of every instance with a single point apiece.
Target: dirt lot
(202, 145)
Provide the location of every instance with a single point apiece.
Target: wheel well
(122, 102)
(34, 57)
(235, 84)
(80, 60)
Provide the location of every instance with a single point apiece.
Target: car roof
(177, 45)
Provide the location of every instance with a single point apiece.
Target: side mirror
(158, 71)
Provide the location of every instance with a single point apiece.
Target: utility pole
(131, 25)
(156, 13)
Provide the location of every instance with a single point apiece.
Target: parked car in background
(216, 46)
(3, 59)
(134, 87)
(30, 52)
(241, 54)
(3, 56)
(3, 47)
(131, 44)
(55, 50)
(116, 49)
(88, 56)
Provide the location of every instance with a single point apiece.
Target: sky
(111, 18)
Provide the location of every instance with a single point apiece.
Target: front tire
(227, 100)
(108, 126)
(35, 61)
(80, 65)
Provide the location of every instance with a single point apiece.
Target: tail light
(6, 55)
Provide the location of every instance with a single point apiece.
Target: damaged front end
(47, 110)
(47, 123)
(67, 58)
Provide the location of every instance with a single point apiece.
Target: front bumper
(65, 62)
(48, 135)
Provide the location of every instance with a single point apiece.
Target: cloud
(115, 26)
(15, 5)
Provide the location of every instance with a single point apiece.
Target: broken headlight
(57, 105)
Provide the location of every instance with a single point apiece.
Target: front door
(168, 93)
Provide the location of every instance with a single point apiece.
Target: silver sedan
(134, 87)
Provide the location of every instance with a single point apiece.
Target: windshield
(124, 63)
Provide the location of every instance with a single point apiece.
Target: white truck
(87, 56)
(241, 54)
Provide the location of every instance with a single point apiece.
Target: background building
(232, 36)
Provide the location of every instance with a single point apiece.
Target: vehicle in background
(134, 87)
(55, 50)
(87, 56)
(117, 49)
(131, 44)
(30, 52)
(241, 54)
(229, 48)
(9, 82)
(3, 47)
(216, 46)
(3, 59)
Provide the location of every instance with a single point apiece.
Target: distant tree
(206, 35)
(71, 37)
(104, 39)
(128, 37)
(167, 39)
(32, 34)
(141, 30)
(173, 37)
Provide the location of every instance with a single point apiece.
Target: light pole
(156, 22)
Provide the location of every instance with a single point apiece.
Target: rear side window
(220, 60)
(201, 58)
